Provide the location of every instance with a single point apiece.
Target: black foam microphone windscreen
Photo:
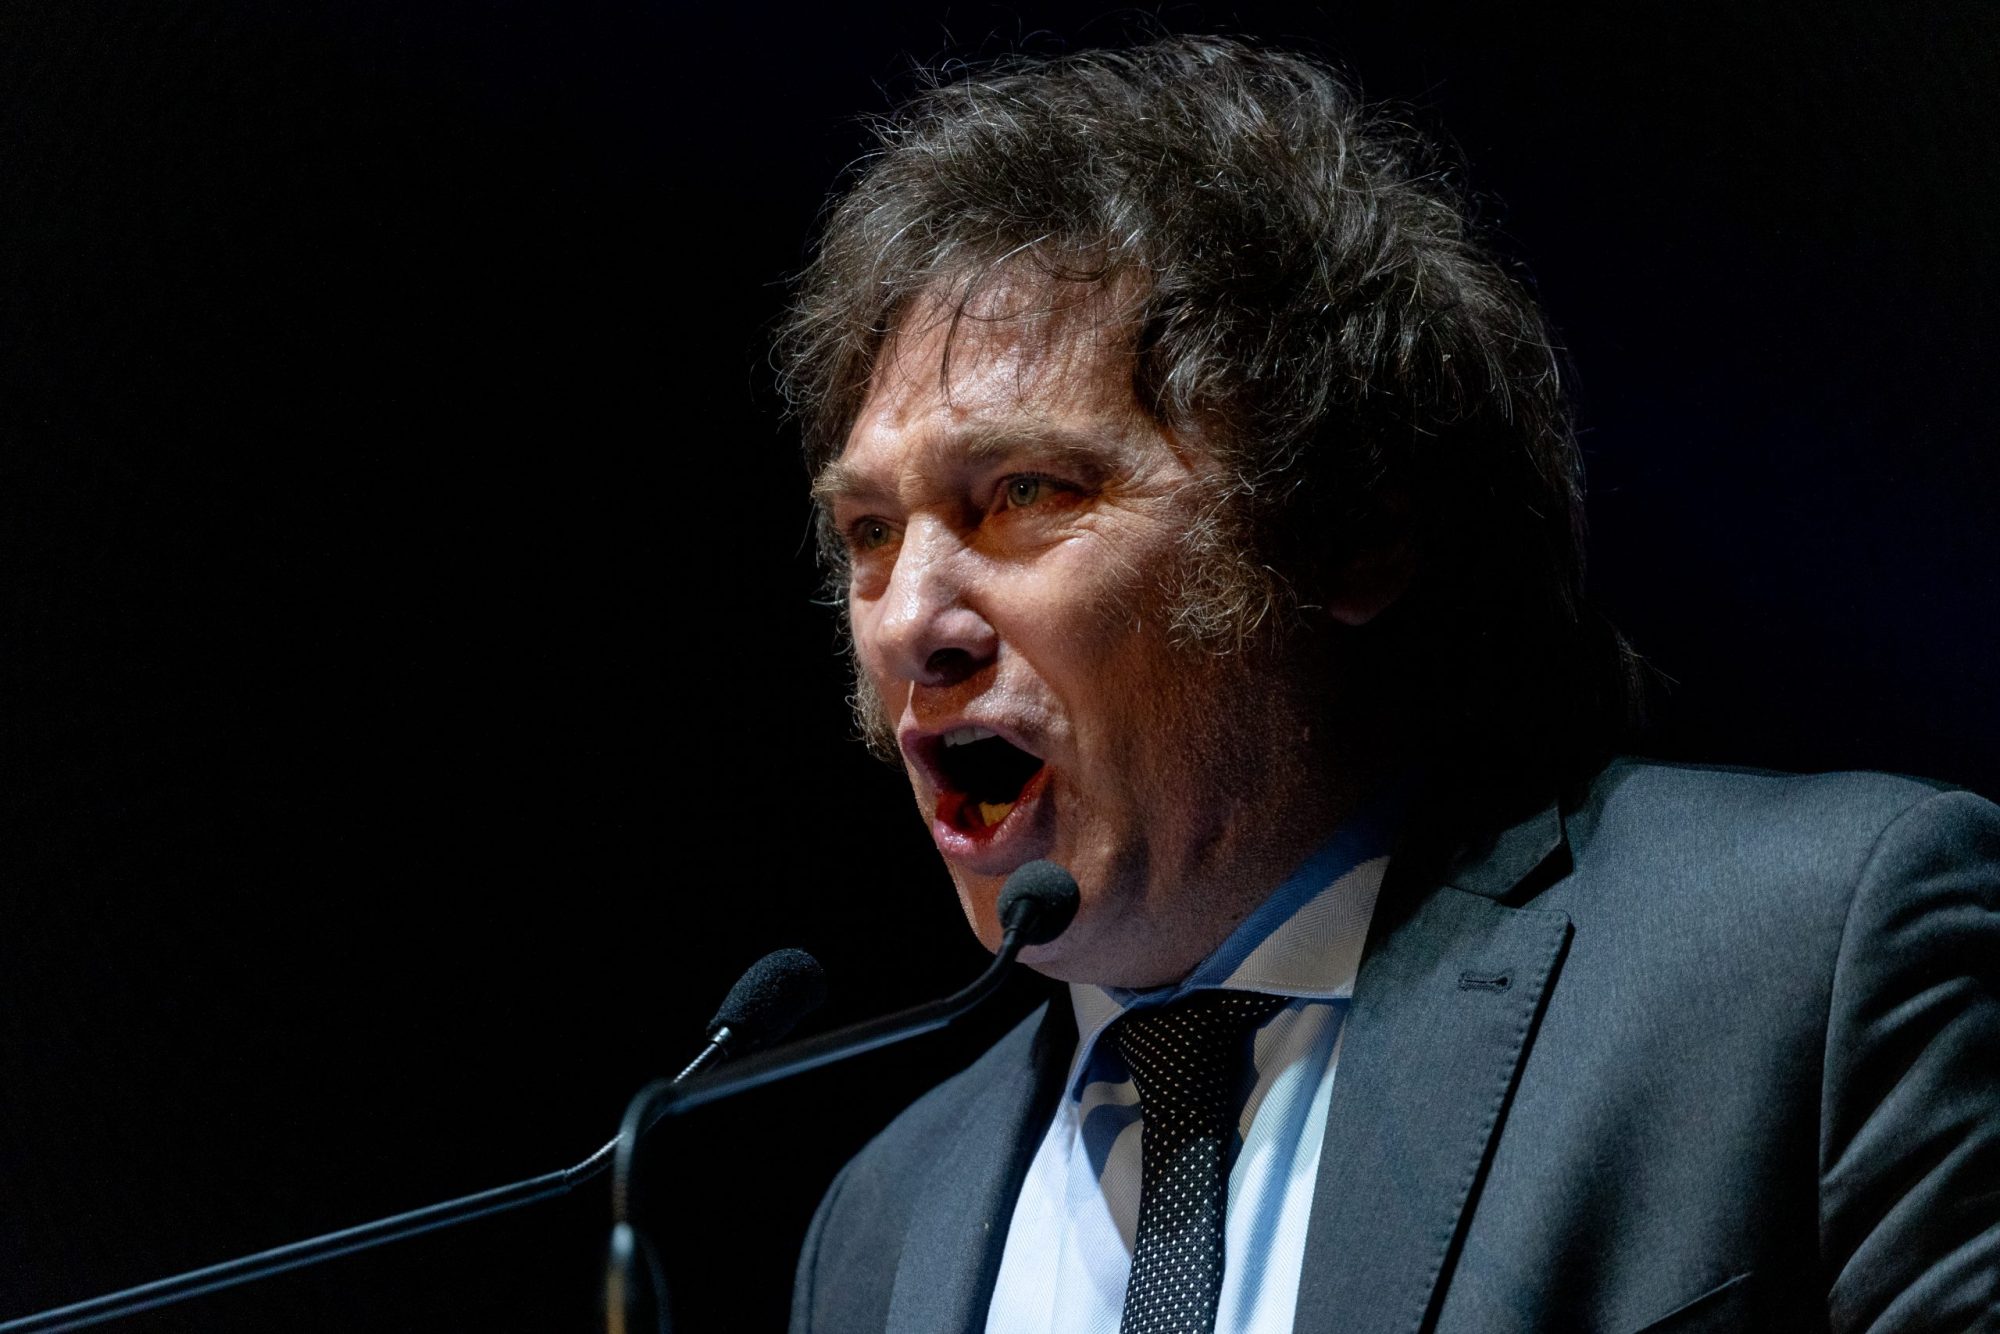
(768, 1000)
(1039, 898)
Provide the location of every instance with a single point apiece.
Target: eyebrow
(1087, 453)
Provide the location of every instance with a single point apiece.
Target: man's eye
(1020, 492)
(868, 534)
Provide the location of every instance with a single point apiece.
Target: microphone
(1037, 904)
(767, 1001)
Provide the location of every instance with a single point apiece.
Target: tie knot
(1188, 1053)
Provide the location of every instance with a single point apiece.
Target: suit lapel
(1444, 1010)
(951, 1256)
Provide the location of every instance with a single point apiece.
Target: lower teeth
(993, 814)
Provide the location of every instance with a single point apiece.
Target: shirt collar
(1303, 941)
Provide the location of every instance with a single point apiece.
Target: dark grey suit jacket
(1696, 1050)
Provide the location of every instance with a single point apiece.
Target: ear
(1371, 583)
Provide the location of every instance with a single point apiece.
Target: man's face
(1016, 533)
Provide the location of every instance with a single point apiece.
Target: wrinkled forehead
(1020, 349)
(1022, 377)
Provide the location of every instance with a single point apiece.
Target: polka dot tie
(1186, 1059)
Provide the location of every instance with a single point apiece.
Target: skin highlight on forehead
(1031, 330)
(1065, 350)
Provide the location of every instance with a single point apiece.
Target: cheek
(874, 712)
(1105, 652)
(1097, 600)
(865, 642)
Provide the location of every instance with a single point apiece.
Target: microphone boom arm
(298, 1254)
(663, 1098)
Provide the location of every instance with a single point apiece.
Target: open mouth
(984, 777)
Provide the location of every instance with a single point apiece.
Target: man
(1205, 511)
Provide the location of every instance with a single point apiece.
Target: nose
(924, 629)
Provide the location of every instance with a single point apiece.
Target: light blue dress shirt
(1069, 1245)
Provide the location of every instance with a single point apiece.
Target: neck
(1163, 937)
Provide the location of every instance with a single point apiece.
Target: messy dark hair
(1310, 300)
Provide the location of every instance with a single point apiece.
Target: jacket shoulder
(1736, 826)
(1850, 922)
(1727, 793)
(1701, 873)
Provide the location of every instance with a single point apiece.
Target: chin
(1073, 956)
(982, 913)
(1054, 962)
(979, 899)
(1086, 952)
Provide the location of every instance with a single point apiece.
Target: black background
(416, 711)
